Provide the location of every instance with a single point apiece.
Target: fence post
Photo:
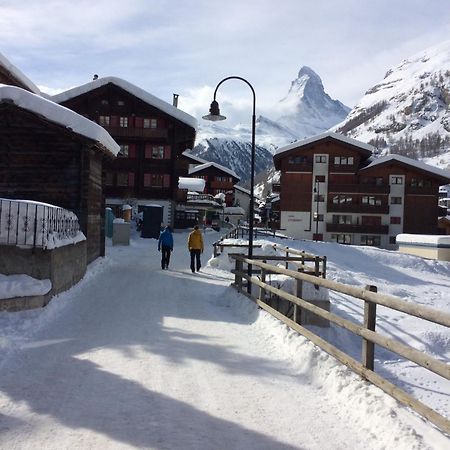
(262, 291)
(324, 267)
(215, 249)
(298, 293)
(287, 256)
(368, 348)
(238, 274)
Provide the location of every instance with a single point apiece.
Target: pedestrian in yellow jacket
(195, 246)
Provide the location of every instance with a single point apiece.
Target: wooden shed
(51, 154)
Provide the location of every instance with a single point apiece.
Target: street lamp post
(214, 115)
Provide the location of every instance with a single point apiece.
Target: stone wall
(64, 266)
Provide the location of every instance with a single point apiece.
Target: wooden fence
(370, 337)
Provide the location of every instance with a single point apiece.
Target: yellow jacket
(195, 240)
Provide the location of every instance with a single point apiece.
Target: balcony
(357, 228)
(357, 208)
(359, 188)
(136, 132)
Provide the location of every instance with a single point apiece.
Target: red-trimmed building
(152, 135)
(333, 189)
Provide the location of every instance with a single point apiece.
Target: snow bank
(20, 285)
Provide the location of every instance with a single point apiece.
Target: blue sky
(187, 47)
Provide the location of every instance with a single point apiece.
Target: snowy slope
(409, 110)
(136, 357)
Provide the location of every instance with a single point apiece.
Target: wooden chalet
(332, 189)
(152, 135)
(53, 155)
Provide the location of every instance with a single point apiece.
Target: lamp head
(214, 113)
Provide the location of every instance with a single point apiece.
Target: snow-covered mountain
(408, 112)
(235, 155)
(307, 109)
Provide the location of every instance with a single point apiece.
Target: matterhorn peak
(307, 109)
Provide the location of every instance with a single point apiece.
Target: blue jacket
(166, 239)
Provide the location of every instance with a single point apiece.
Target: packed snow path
(145, 358)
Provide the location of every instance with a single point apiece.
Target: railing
(35, 224)
(357, 228)
(366, 331)
(359, 188)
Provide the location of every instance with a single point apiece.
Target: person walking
(165, 246)
(195, 246)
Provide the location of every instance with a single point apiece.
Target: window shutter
(132, 151)
(148, 151)
(131, 179)
(166, 181)
(167, 152)
(114, 121)
(139, 122)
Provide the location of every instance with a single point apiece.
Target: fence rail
(35, 224)
(370, 337)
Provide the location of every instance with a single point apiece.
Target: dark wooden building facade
(332, 189)
(152, 135)
(52, 155)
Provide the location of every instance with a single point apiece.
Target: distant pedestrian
(195, 246)
(165, 246)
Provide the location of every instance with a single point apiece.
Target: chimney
(175, 100)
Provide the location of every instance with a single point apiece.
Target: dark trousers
(165, 256)
(195, 260)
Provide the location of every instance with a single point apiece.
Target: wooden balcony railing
(359, 188)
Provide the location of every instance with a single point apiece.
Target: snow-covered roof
(328, 134)
(58, 114)
(213, 164)
(18, 75)
(240, 188)
(132, 89)
(193, 184)
(423, 239)
(188, 154)
(233, 210)
(445, 175)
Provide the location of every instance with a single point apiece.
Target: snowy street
(137, 357)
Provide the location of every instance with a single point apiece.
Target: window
(104, 121)
(123, 152)
(120, 103)
(104, 102)
(342, 219)
(158, 152)
(223, 179)
(396, 200)
(373, 241)
(396, 180)
(379, 181)
(370, 200)
(318, 217)
(342, 199)
(123, 122)
(320, 179)
(416, 182)
(150, 123)
(396, 220)
(156, 180)
(321, 159)
(343, 160)
(297, 159)
(341, 238)
(125, 179)
(319, 198)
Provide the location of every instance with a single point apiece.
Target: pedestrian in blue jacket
(165, 246)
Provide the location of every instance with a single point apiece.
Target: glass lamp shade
(214, 113)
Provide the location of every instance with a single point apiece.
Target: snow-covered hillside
(409, 110)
